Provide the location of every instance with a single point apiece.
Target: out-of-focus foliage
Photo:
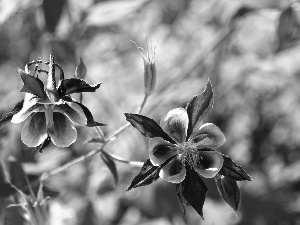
(249, 49)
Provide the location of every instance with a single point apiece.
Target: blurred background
(249, 50)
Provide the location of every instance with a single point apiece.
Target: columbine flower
(50, 113)
(198, 151)
(182, 152)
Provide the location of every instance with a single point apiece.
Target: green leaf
(194, 189)
(110, 163)
(5, 188)
(233, 171)
(9, 115)
(199, 107)
(74, 85)
(16, 172)
(32, 85)
(148, 127)
(148, 174)
(229, 191)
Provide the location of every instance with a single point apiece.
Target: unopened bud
(149, 68)
(149, 74)
(80, 71)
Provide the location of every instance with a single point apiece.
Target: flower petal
(34, 131)
(175, 123)
(207, 163)
(30, 106)
(64, 133)
(73, 111)
(208, 136)
(174, 171)
(160, 151)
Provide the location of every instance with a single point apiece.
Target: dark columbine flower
(180, 152)
(50, 114)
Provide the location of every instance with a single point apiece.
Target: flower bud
(80, 71)
(149, 68)
(149, 74)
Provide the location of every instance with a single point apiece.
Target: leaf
(9, 115)
(148, 174)
(233, 171)
(148, 127)
(110, 163)
(80, 71)
(194, 189)
(90, 120)
(32, 85)
(179, 189)
(74, 85)
(229, 191)
(16, 172)
(5, 188)
(199, 107)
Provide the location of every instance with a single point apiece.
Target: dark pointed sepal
(233, 171)
(179, 189)
(32, 85)
(194, 190)
(148, 174)
(43, 145)
(148, 127)
(90, 120)
(229, 191)
(9, 115)
(110, 163)
(199, 107)
(74, 85)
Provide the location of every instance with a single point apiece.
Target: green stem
(96, 151)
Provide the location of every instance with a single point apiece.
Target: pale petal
(208, 136)
(30, 106)
(207, 163)
(175, 123)
(160, 150)
(34, 131)
(63, 133)
(174, 171)
(73, 111)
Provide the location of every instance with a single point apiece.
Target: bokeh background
(249, 50)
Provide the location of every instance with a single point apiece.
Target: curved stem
(96, 151)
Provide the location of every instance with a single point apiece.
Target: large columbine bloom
(198, 151)
(50, 114)
(181, 151)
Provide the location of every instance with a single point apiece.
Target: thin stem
(96, 151)
(100, 133)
